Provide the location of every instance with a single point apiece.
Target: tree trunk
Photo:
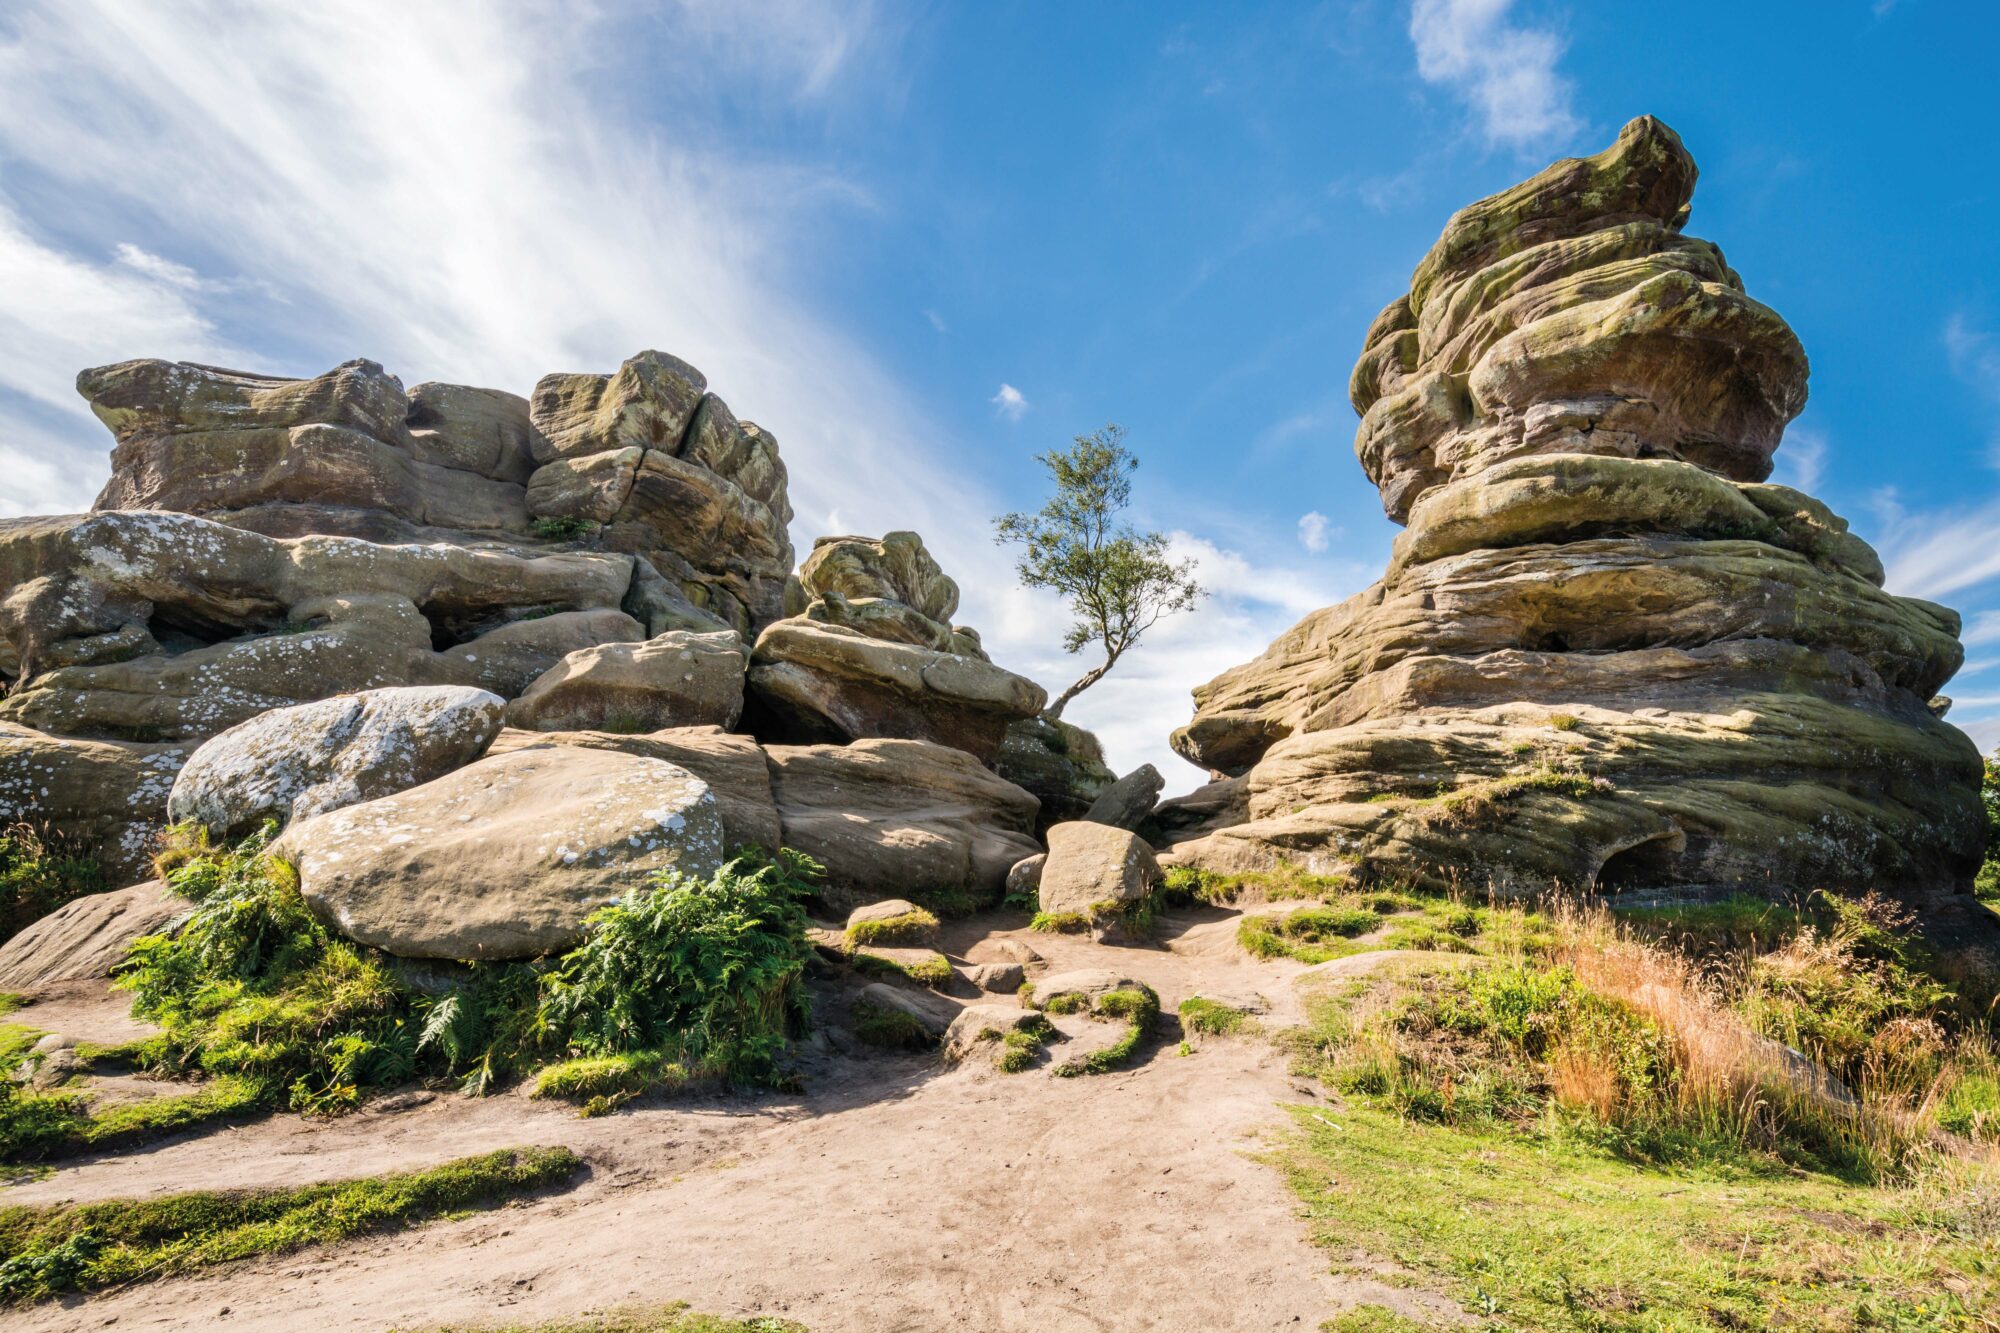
(1089, 678)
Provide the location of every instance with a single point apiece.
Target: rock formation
(869, 651)
(1606, 651)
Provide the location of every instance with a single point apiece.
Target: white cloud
(937, 321)
(1801, 460)
(1010, 402)
(1974, 357)
(1314, 531)
(1982, 628)
(1936, 554)
(157, 268)
(1505, 73)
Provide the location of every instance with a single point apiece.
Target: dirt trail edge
(895, 1195)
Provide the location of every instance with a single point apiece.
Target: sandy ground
(895, 1194)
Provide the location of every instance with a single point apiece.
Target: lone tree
(1119, 582)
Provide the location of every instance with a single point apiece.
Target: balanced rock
(1606, 651)
(506, 857)
(1061, 763)
(856, 660)
(677, 679)
(1090, 865)
(291, 763)
(1129, 800)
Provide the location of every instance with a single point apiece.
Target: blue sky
(922, 243)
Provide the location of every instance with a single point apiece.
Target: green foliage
(1020, 1048)
(1119, 582)
(706, 973)
(563, 529)
(1304, 934)
(1061, 923)
(1211, 1018)
(932, 970)
(36, 878)
(912, 927)
(37, 1126)
(889, 1028)
(1987, 883)
(603, 1083)
(45, 1251)
(1136, 1007)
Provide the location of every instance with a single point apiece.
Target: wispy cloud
(1801, 461)
(1315, 531)
(937, 321)
(1504, 72)
(1974, 357)
(1010, 402)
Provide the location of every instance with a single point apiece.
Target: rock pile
(1606, 651)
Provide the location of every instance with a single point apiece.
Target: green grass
(675, 1318)
(1020, 1048)
(889, 1028)
(1212, 1019)
(37, 876)
(1540, 1231)
(36, 1127)
(1061, 923)
(45, 1251)
(1371, 1319)
(1185, 885)
(603, 1083)
(1136, 1007)
(563, 529)
(913, 927)
(932, 970)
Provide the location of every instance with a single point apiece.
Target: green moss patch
(913, 927)
(45, 1251)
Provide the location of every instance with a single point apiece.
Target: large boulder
(1129, 800)
(1605, 652)
(105, 799)
(733, 767)
(900, 817)
(677, 679)
(292, 763)
(1092, 865)
(506, 857)
(1061, 763)
(84, 939)
(666, 470)
(832, 684)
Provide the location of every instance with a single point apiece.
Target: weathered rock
(84, 939)
(676, 679)
(903, 817)
(980, 1024)
(668, 473)
(894, 569)
(997, 978)
(1062, 764)
(1604, 652)
(1024, 880)
(831, 684)
(1129, 800)
(292, 763)
(1209, 807)
(888, 909)
(1090, 865)
(106, 799)
(733, 767)
(933, 1015)
(1088, 983)
(506, 857)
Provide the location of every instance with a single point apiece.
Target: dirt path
(895, 1195)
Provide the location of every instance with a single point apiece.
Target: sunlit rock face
(1606, 651)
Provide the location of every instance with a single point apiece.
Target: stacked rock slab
(868, 650)
(266, 542)
(1606, 651)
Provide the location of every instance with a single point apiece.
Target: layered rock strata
(869, 651)
(1606, 651)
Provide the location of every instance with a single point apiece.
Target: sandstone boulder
(676, 679)
(1090, 865)
(84, 939)
(832, 684)
(1087, 984)
(903, 817)
(292, 763)
(978, 1024)
(1061, 763)
(506, 857)
(106, 799)
(1606, 652)
(1024, 880)
(997, 978)
(733, 767)
(1129, 800)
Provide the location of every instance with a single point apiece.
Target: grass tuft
(913, 927)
